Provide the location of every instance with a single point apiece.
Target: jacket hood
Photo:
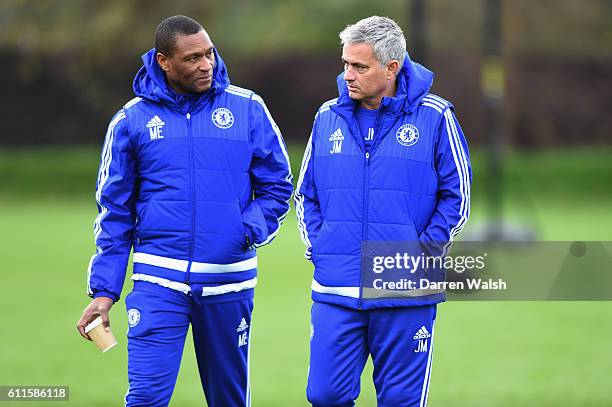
(150, 82)
(413, 84)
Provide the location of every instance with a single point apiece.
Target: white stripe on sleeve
(464, 183)
(299, 198)
(103, 174)
(288, 178)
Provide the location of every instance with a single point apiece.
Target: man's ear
(392, 69)
(163, 62)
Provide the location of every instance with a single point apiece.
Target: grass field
(487, 353)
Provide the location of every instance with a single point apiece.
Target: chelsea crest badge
(223, 118)
(407, 135)
(133, 317)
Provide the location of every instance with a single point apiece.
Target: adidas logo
(155, 121)
(336, 136)
(243, 326)
(422, 333)
(336, 139)
(155, 128)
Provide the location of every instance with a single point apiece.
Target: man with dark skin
(194, 176)
(188, 70)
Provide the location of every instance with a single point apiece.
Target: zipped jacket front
(193, 183)
(411, 185)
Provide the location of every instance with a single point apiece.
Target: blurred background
(531, 83)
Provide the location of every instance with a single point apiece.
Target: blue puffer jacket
(412, 185)
(194, 183)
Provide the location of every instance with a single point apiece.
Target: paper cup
(103, 340)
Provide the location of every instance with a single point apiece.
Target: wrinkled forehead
(358, 52)
(199, 42)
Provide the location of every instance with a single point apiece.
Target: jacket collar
(150, 83)
(413, 84)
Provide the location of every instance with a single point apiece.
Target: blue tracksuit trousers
(159, 319)
(400, 341)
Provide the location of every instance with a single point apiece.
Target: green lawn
(486, 353)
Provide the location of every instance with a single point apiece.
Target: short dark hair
(166, 31)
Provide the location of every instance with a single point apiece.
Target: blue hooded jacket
(412, 185)
(193, 183)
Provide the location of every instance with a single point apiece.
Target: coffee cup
(103, 339)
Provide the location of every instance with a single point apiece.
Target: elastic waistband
(157, 289)
(170, 293)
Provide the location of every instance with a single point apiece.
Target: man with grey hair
(386, 162)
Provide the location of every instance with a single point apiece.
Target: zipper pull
(188, 116)
(367, 155)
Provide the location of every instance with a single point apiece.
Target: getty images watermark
(487, 271)
(407, 263)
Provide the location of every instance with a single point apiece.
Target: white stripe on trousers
(425, 391)
(248, 386)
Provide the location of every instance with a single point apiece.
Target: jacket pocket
(323, 230)
(415, 236)
(245, 239)
(409, 210)
(254, 223)
(141, 221)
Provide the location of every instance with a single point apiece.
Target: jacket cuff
(107, 294)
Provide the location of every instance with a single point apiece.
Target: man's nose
(349, 74)
(206, 65)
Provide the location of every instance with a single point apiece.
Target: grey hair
(385, 36)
